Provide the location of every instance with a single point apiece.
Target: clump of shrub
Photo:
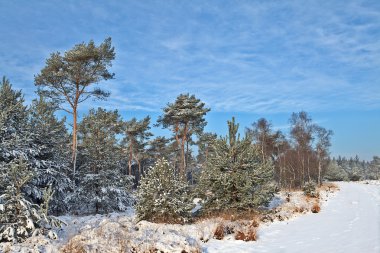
(163, 196)
(310, 189)
(315, 208)
(244, 230)
(219, 232)
(74, 247)
(249, 234)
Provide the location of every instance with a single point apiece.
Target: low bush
(310, 189)
(248, 235)
(163, 196)
(315, 208)
(219, 232)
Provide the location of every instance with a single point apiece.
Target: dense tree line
(97, 166)
(353, 169)
(301, 157)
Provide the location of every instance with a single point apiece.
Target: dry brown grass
(73, 247)
(165, 219)
(241, 230)
(239, 236)
(255, 222)
(249, 235)
(231, 215)
(330, 187)
(315, 208)
(7, 248)
(300, 209)
(195, 251)
(219, 232)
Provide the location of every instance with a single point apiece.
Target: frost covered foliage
(15, 135)
(102, 192)
(163, 196)
(102, 185)
(32, 135)
(310, 189)
(52, 138)
(335, 172)
(20, 218)
(235, 176)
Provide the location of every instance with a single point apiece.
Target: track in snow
(349, 223)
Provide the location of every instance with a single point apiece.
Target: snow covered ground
(348, 223)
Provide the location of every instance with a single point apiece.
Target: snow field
(349, 223)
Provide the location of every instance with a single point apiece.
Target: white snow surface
(349, 223)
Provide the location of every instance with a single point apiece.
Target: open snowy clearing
(349, 223)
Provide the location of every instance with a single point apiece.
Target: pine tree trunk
(130, 158)
(183, 164)
(184, 137)
(140, 173)
(74, 147)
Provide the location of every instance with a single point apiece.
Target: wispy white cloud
(248, 56)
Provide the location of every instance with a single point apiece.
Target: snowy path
(349, 223)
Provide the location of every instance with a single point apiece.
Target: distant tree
(301, 132)
(302, 129)
(158, 147)
(163, 196)
(136, 139)
(306, 155)
(236, 176)
(322, 146)
(101, 186)
(335, 172)
(272, 145)
(360, 170)
(205, 144)
(66, 79)
(185, 117)
(374, 168)
(265, 138)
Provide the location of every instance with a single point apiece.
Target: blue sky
(250, 59)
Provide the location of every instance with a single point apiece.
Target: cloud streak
(247, 56)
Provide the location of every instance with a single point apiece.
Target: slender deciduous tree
(322, 146)
(265, 138)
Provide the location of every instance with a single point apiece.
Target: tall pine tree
(184, 117)
(67, 79)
